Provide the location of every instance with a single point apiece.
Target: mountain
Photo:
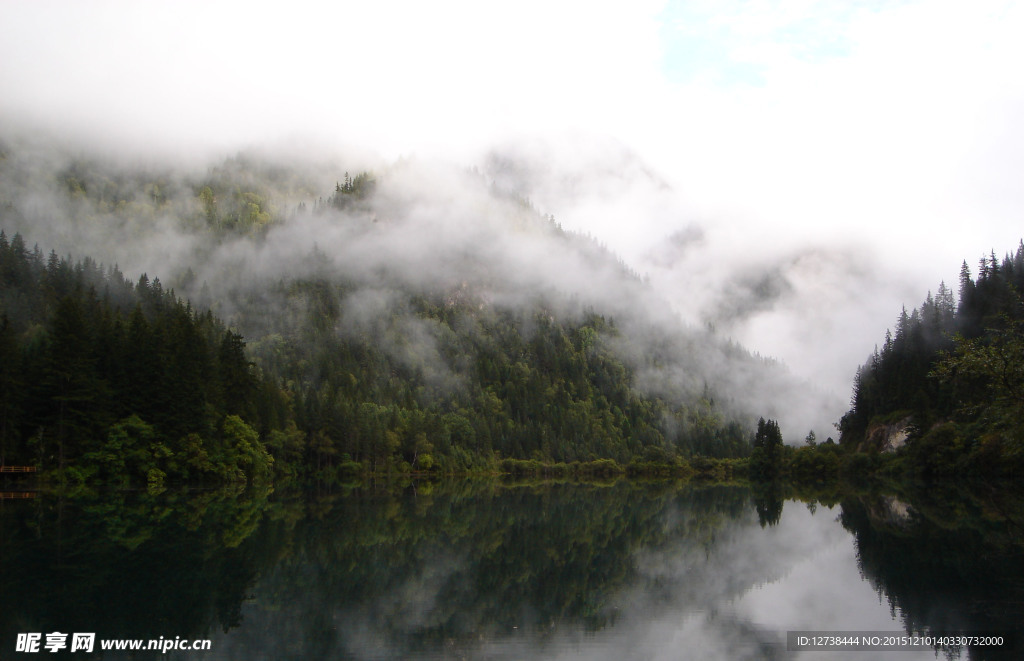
(419, 317)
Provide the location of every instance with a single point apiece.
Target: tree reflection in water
(483, 569)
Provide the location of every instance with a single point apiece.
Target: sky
(790, 171)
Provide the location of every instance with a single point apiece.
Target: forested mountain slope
(417, 318)
(954, 373)
(122, 381)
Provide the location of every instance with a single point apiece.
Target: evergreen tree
(122, 396)
(766, 459)
(953, 369)
(10, 388)
(69, 381)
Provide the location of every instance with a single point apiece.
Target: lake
(484, 569)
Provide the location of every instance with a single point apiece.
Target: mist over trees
(416, 318)
(953, 371)
(413, 318)
(122, 381)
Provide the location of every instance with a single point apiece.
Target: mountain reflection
(492, 570)
(129, 565)
(947, 560)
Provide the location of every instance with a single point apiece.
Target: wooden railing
(18, 469)
(6, 495)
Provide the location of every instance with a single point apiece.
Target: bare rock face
(890, 512)
(887, 437)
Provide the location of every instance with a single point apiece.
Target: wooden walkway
(17, 470)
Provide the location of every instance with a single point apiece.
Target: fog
(428, 228)
(788, 173)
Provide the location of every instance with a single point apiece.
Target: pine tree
(70, 379)
(10, 390)
(766, 459)
(237, 384)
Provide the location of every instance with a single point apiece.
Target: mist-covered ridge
(434, 293)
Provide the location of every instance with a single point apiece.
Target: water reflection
(485, 570)
(947, 560)
(126, 565)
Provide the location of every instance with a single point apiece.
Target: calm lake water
(488, 570)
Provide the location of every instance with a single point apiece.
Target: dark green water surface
(489, 570)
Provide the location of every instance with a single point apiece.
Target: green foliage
(287, 447)
(123, 382)
(815, 462)
(242, 454)
(531, 467)
(131, 451)
(522, 384)
(986, 376)
(859, 466)
(352, 190)
(440, 381)
(958, 372)
(717, 470)
(938, 452)
(766, 461)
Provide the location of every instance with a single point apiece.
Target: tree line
(955, 370)
(103, 378)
